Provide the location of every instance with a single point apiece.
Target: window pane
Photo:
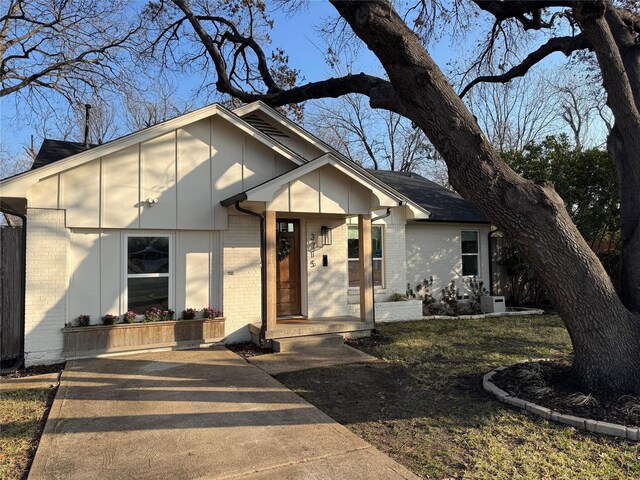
(354, 273)
(377, 273)
(469, 242)
(145, 293)
(352, 242)
(469, 265)
(148, 255)
(376, 242)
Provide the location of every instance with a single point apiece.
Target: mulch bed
(35, 370)
(549, 384)
(248, 349)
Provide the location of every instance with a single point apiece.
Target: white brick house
(176, 216)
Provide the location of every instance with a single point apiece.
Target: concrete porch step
(306, 342)
(346, 326)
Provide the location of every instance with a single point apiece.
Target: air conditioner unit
(493, 305)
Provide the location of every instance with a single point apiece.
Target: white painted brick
(434, 249)
(46, 285)
(241, 276)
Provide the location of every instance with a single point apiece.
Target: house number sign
(312, 248)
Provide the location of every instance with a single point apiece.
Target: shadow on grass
(433, 370)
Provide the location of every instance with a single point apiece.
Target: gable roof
(264, 192)
(18, 184)
(251, 113)
(445, 205)
(54, 150)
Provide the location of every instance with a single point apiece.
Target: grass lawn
(424, 404)
(22, 410)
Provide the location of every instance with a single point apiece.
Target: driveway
(194, 414)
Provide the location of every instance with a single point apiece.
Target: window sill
(356, 290)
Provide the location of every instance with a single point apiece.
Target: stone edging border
(487, 315)
(605, 428)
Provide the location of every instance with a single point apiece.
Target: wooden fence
(11, 297)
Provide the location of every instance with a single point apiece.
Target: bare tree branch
(566, 45)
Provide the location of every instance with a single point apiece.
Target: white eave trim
(18, 185)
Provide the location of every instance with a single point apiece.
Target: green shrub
(449, 297)
(109, 319)
(397, 297)
(477, 292)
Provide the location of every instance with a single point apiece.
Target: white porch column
(366, 268)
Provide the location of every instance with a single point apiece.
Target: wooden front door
(288, 271)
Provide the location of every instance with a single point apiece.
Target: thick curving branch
(566, 45)
(379, 91)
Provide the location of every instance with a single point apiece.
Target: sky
(296, 35)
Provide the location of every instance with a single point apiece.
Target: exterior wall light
(325, 234)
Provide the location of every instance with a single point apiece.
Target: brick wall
(327, 286)
(46, 285)
(435, 250)
(241, 276)
(394, 311)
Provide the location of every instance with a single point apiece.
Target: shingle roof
(53, 150)
(445, 205)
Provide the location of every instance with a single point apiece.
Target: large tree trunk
(619, 60)
(605, 335)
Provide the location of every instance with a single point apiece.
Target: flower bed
(84, 342)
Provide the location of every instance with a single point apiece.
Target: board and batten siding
(187, 171)
(97, 283)
(435, 249)
(325, 190)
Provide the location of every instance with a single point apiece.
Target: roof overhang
(13, 205)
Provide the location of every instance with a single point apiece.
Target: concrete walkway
(194, 414)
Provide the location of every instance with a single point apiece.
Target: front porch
(317, 244)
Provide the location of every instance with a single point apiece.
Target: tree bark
(619, 60)
(605, 335)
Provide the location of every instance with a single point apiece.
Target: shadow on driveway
(193, 414)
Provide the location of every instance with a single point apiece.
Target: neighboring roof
(445, 205)
(54, 150)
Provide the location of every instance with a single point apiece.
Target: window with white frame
(377, 253)
(470, 253)
(148, 272)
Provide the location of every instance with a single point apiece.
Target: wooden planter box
(98, 339)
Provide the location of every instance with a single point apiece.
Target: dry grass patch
(425, 406)
(23, 410)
